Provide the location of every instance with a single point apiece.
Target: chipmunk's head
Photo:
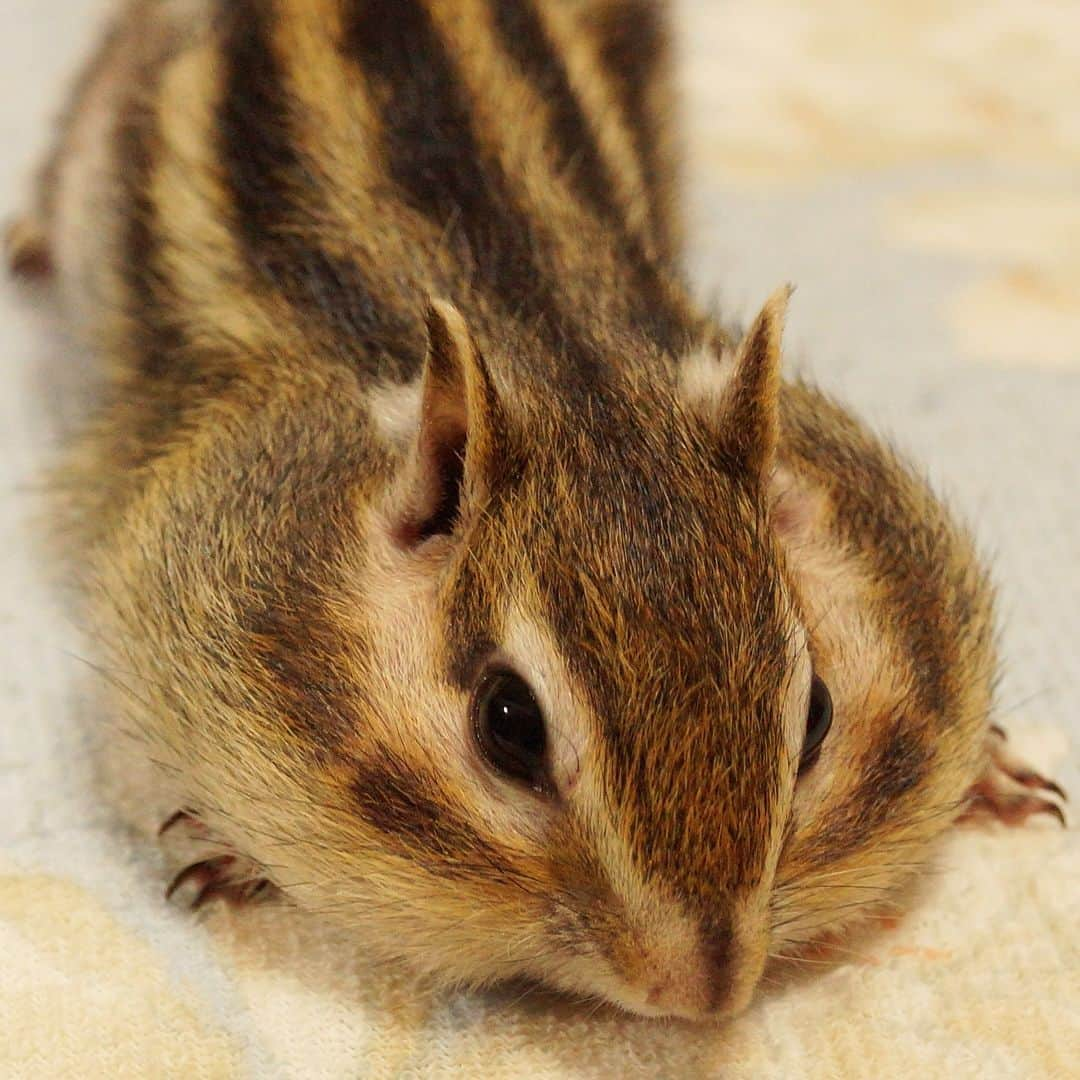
(636, 705)
(596, 681)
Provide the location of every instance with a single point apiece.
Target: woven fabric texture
(915, 169)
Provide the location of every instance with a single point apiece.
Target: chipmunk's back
(295, 178)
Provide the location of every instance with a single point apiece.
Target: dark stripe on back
(157, 338)
(275, 196)
(433, 156)
(633, 45)
(168, 379)
(523, 36)
(441, 171)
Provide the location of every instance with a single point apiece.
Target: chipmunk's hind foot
(27, 250)
(209, 871)
(1009, 790)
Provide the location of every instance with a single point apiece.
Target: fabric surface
(914, 168)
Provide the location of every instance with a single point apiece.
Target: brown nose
(702, 983)
(718, 954)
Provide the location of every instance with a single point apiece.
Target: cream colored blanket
(915, 168)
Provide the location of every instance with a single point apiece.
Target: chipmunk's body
(407, 394)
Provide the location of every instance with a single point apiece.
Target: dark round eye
(509, 728)
(818, 722)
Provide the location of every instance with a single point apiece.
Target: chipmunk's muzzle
(705, 991)
(699, 973)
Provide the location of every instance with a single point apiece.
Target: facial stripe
(937, 641)
(402, 801)
(470, 632)
(876, 517)
(684, 674)
(896, 764)
(276, 206)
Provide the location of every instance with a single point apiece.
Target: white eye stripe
(797, 700)
(532, 653)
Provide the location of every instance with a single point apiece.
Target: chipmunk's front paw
(1010, 791)
(210, 872)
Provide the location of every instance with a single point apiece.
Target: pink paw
(217, 875)
(1009, 790)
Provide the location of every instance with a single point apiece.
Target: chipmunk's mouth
(696, 998)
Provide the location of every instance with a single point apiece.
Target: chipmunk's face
(615, 674)
(637, 722)
(608, 671)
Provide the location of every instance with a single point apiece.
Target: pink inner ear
(792, 509)
(436, 485)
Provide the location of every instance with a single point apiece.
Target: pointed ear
(452, 457)
(738, 394)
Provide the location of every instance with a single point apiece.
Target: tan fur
(406, 385)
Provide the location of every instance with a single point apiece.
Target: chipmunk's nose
(705, 986)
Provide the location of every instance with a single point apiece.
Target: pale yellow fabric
(81, 995)
(981, 979)
(914, 167)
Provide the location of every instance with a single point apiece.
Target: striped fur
(316, 504)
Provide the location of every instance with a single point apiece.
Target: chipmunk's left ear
(738, 391)
(457, 447)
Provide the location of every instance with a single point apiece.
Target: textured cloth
(915, 169)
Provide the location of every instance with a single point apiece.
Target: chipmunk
(467, 582)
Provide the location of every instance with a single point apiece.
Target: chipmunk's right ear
(452, 461)
(737, 391)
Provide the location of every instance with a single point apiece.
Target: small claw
(209, 870)
(233, 892)
(175, 819)
(1031, 779)
(999, 791)
(1012, 809)
(218, 874)
(207, 892)
(221, 877)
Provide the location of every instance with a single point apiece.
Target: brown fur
(405, 378)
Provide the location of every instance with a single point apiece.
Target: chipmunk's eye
(509, 729)
(818, 722)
